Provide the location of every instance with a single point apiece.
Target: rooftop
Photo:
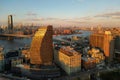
(69, 51)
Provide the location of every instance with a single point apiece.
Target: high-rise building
(10, 24)
(117, 48)
(117, 43)
(69, 60)
(41, 51)
(104, 41)
(41, 64)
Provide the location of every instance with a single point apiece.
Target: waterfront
(83, 34)
(15, 44)
(18, 43)
(59, 40)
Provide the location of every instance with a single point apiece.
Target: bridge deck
(16, 35)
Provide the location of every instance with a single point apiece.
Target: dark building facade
(41, 51)
(117, 48)
(117, 43)
(12, 58)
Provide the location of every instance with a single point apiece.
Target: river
(17, 43)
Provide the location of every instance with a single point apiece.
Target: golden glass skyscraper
(41, 51)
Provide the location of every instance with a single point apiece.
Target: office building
(104, 41)
(41, 66)
(12, 58)
(69, 60)
(41, 50)
(117, 48)
(117, 43)
(10, 24)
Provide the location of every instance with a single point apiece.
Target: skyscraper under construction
(41, 51)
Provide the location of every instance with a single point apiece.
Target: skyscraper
(41, 65)
(117, 48)
(10, 24)
(117, 43)
(103, 41)
(41, 51)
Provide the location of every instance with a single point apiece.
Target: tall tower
(41, 51)
(10, 24)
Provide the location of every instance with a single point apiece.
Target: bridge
(9, 32)
(16, 35)
(60, 39)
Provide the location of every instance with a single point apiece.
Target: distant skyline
(62, 12)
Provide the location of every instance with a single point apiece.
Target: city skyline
(62, 12)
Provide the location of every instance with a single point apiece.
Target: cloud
(42, 19)
(87, 18)
(109, 15)
(31, 14)
(115, 17)
(52, 18)
(55, 20)
(35, 19)
(77, 22)
(79, 0)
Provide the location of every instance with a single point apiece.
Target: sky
(62, 12)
